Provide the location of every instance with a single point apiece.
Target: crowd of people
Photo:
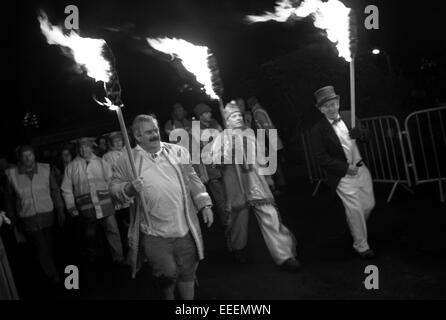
(154, 216)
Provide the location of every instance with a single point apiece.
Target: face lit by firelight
(235, 120)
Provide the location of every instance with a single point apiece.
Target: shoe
(368, 254)
(240, 256)
(291, 265)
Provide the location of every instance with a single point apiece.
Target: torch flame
(331, 16)
(108, 103)
(194, 59)
(283, 10)
(87, 52)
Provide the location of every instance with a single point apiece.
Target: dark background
(282, 64)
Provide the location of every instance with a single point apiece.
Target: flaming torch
(93, 56)
(199, 61)
(334, 17)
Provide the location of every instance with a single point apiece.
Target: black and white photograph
(237, 153)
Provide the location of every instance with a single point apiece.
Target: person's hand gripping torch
(113, 102)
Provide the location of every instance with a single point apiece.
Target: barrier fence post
(384, 153)
(429, 145)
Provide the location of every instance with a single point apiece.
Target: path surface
(407, 235)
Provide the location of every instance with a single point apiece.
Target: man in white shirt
(173, 194)
(336, 151)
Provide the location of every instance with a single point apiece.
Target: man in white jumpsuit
(335, 149)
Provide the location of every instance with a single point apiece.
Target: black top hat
(325, 94)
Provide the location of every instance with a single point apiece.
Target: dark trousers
(217, 193)
(123, 220)
(43, 243)
(112, 235)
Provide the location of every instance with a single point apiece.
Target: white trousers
(278, 238)
(356, 193)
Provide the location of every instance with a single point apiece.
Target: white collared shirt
(164, 196)
(348, 145)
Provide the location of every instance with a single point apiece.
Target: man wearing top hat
(336, 151)
(85, 188)
(247, 188)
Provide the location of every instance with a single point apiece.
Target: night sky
(44, 81)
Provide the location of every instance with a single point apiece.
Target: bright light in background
(376, 51)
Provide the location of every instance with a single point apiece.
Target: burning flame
(283, 10)
(87, 52)
(193, 57)
(108, 103)
(331, 16)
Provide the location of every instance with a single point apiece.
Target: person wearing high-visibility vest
(33, 189)
(85, 188)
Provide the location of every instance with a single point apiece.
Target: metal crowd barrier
(426, 138)
(384, 152)
(315, 172)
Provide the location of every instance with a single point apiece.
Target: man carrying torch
(169, 230)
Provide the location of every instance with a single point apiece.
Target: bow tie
(335, 121)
